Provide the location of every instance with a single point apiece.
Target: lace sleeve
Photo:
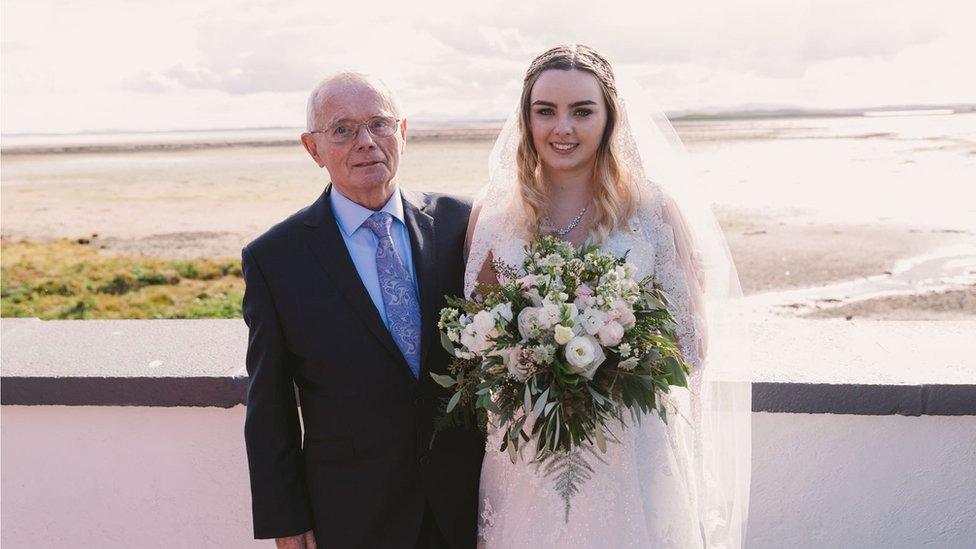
(678, 271)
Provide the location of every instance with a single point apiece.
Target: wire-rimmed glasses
(344, 131)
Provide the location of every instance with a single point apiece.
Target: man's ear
(403, 134)
(312, 149)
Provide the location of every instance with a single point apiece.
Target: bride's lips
(563, 149)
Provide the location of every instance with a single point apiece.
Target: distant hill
(760, 112)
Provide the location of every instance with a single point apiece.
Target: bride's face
(567, 119)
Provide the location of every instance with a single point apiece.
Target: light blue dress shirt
(362, 243)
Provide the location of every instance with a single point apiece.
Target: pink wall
(86, 476)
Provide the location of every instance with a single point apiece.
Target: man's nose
(363, 139)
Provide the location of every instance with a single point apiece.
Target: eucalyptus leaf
(549, 408)
(601, 439)
(444, 381)
(447, 344)
(556, 436)
(540, 404)
(453, 402)
(596, 396)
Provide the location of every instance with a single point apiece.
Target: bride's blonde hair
(613, 195)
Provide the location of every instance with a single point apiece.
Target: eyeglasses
(344, 131)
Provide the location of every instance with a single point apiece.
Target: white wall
(843, 481)
(177, 477)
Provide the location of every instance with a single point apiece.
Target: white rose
(584, 355)
(548, 314)
(563, 334)
(592, 320)
(475, 342)
(534, 295)
(526, 281)
(528, 322)
(611, 333)
(484, 322)
(503, 311)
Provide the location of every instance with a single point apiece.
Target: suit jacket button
(425, 459)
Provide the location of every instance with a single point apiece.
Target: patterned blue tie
(396, 285)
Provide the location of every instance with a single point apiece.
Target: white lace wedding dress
(637, 495)
(682, 484)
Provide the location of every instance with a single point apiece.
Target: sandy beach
(791, 218)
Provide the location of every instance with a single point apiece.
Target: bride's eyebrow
(571, 105)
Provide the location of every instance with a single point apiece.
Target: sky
(148, 65)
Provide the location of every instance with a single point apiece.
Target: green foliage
(524, 375)
(568, 470)
(69, 280)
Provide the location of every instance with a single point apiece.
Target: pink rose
(624, 314)
(583, 290)
(611, 333)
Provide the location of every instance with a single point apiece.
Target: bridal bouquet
(569, 344)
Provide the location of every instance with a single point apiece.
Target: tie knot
(379, 223)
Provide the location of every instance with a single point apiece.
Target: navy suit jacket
(364, 471)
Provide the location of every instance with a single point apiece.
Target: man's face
(367, 165)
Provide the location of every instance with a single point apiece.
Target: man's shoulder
(281, 235)
(438, 204)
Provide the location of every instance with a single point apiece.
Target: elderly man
(342, 301)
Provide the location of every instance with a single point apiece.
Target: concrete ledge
(222, 392)
(806, 398)
(873, 400)
(199, 363)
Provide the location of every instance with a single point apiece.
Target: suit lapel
(420, 225)
(332, 255)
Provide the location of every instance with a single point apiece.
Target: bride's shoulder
(472, 221)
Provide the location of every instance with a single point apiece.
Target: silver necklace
(561, 233)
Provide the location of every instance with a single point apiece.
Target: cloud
(208, 63)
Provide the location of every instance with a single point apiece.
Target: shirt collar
(351, 215)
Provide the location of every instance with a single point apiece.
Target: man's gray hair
(322, 90)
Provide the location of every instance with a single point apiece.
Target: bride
(585, 161)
